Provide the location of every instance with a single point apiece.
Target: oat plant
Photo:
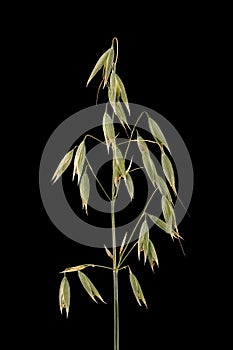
(118, 109)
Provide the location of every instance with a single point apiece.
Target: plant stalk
(116, 310)
(115, 279)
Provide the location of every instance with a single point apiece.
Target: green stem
(135, 140)
(116, 310)
(85, 266)
(97, 179)
(116, 41)
(115, 279)
(103, 267)
(121, 262)
(122, 258)
(100, 266)
(113, 233)
(131, 135)
(94, 138)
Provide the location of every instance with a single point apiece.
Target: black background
(164, 63)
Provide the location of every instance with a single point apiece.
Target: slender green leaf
(122, 92)
(152, 255)
(108, 65)
(97, 294)
(123, 243)
(163, 188)
(120, 113)
(85, 190)
(89, 287)
(163, 226)
(108, 129)
(168, 171)
(147, 161)
(143, 240)
(61, 302)
(120, 161)
(113, 96)
(150, 168)
(157, 133)
(112, 91)
(116, 172)
(137, 290)
(108, 252)
(79, 160)
(160, 223)
(63, 165)
(87, 284)
(129, 185)
(115, 92)
(167, 208)
(100, 63)
(142, 144)
(169, 226)
(61, 298)
(174, 221)
(64, 295)
(75, 268)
